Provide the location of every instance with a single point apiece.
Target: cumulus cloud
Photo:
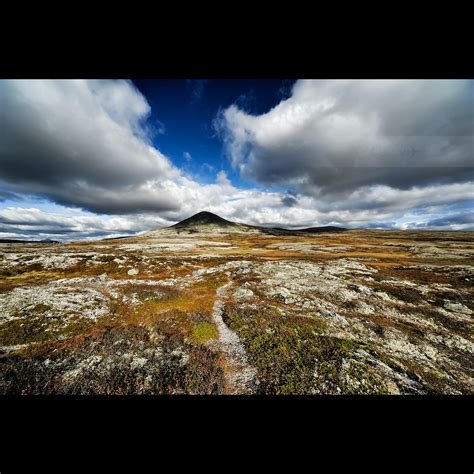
(87, 144)
(331, 138)
(83, 143)
(388, 199)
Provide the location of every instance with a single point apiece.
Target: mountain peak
(204, 218)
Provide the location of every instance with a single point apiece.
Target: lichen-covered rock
(457, 308)
(243, 293)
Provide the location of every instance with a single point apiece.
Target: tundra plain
(217, 310)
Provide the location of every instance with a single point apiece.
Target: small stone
(333, 316)
(243, 293)
(243, 271)
(138, 362)
(133, 271)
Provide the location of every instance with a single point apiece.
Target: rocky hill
(205, 222)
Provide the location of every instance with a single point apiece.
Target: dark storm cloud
(83, 143)
(289, 200)
(333, 137)
(453, 219)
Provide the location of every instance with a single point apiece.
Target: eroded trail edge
(240, 377)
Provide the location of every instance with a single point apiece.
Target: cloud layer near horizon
(355, 153)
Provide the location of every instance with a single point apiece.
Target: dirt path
(240, 377)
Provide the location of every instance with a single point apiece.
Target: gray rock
(243, 293)
(243, 271)
(334, 316)
(138, 362)
(457, 308)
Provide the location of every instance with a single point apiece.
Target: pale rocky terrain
(213, 308)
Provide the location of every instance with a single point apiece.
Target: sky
(85, 159)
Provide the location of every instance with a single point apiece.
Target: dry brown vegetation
(353, 312)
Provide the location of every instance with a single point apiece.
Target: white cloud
(82, 143)
(333, 137)
(86, 144)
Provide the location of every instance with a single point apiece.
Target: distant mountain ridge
(314, 230)
(205, 220)
(17, 241)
